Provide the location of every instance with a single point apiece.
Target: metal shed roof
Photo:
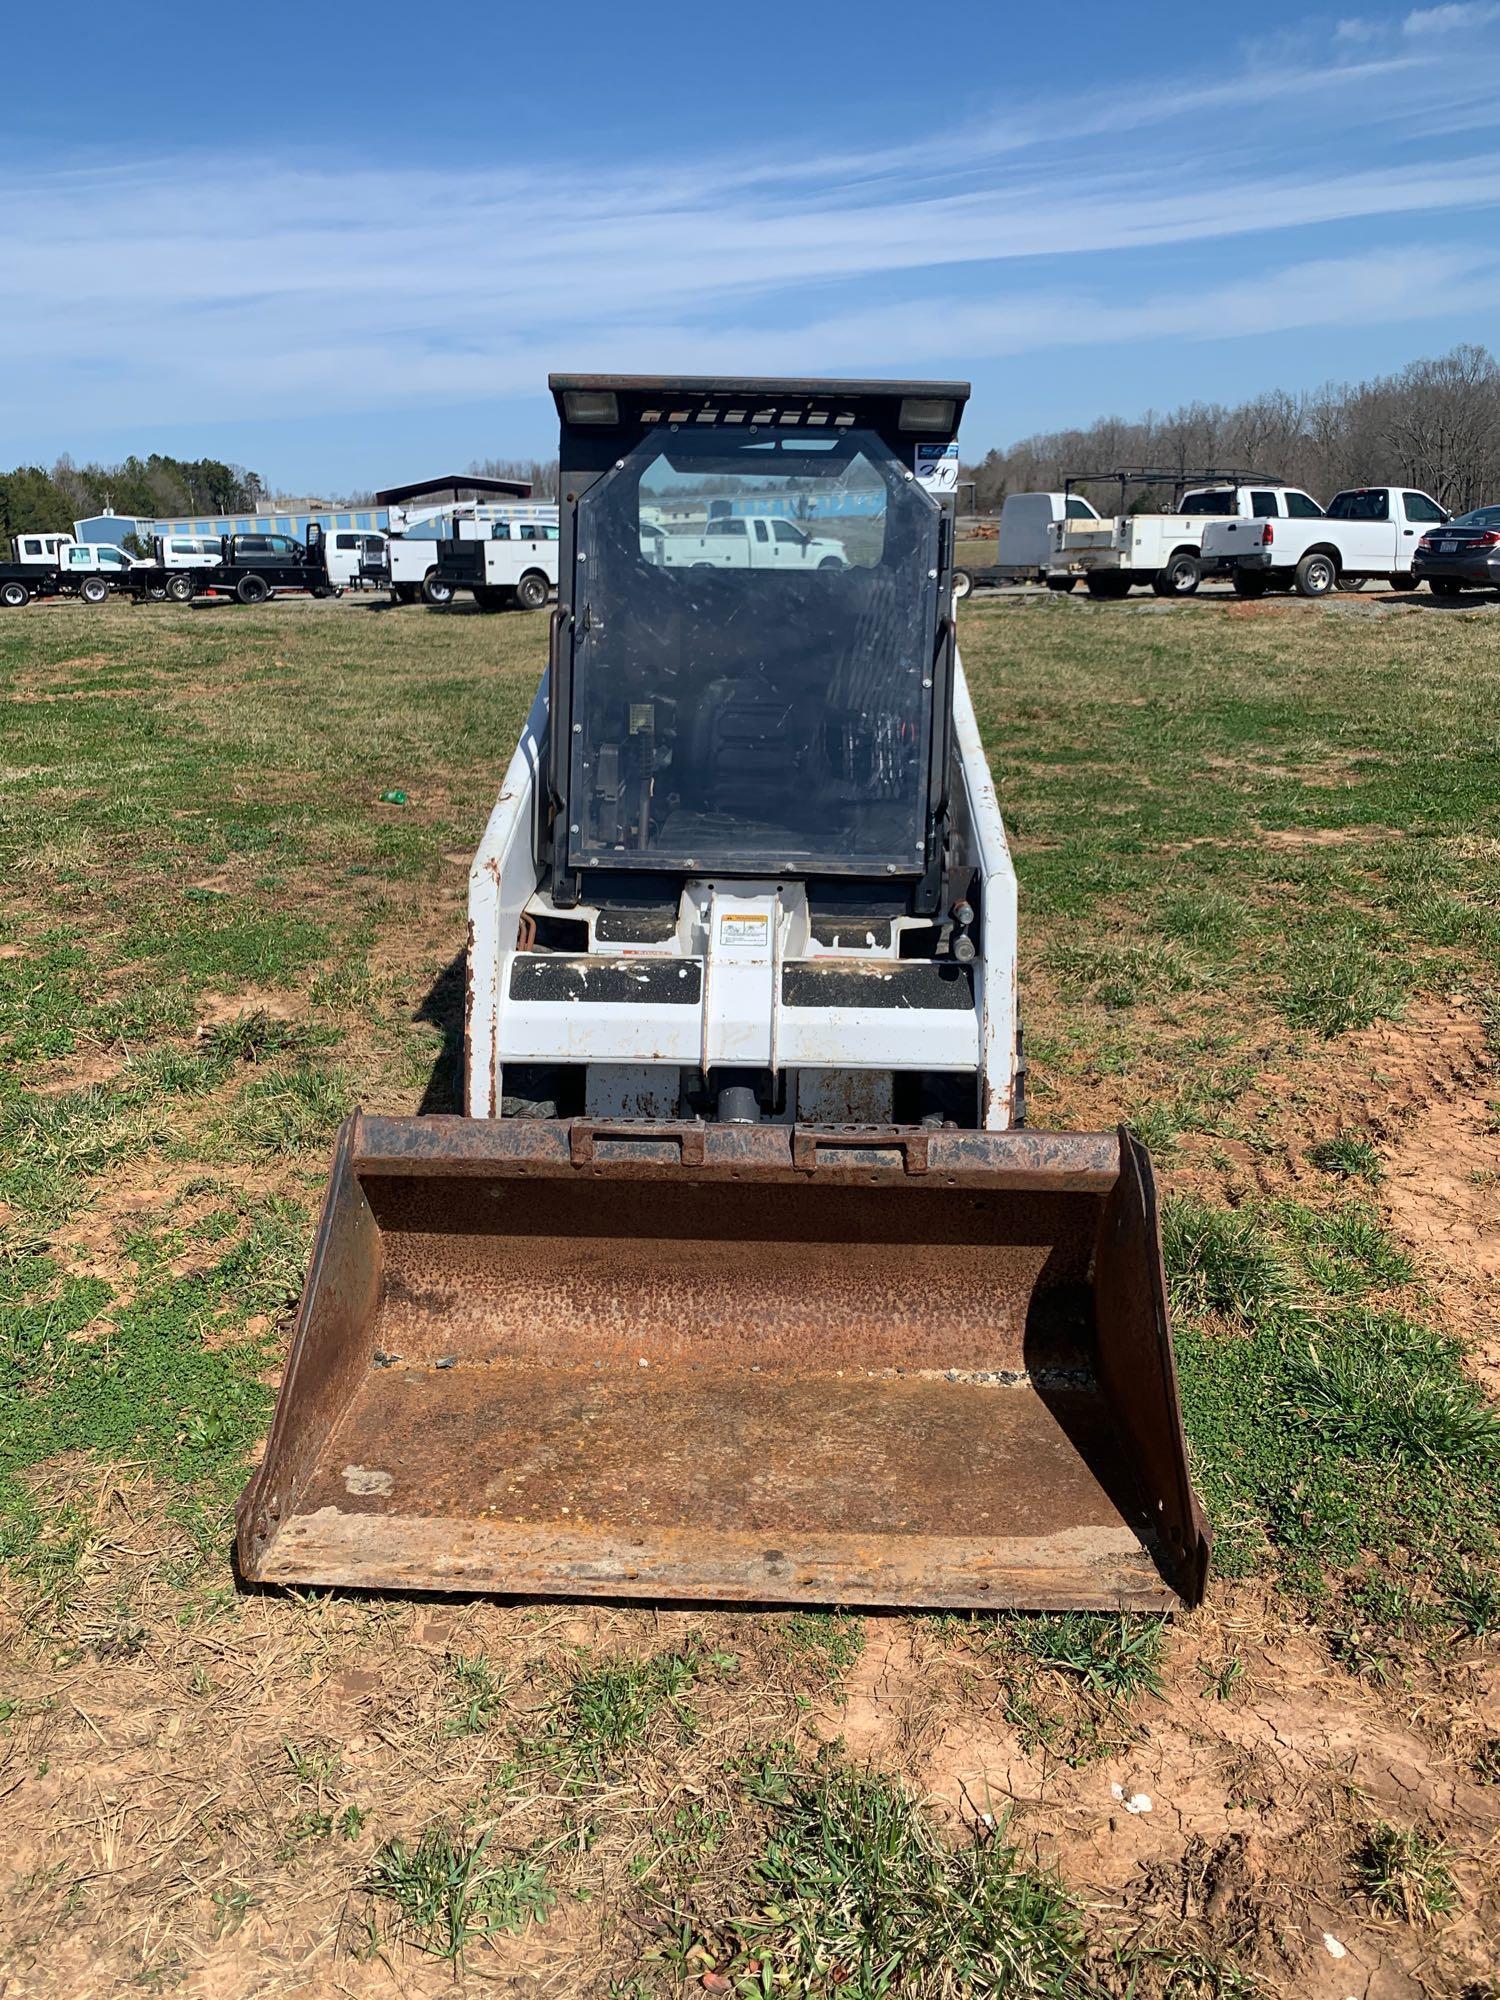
(454, 486)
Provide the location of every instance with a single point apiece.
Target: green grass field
(1259, 855)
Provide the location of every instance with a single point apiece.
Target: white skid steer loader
(740, 1278)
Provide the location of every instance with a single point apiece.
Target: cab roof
(783, 399)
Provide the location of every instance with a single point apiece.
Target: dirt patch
(216, 1010)
(1442, 1198)
(1226, 1824)
(82, 1073)
(1263, 607)
(30, 700)
(1326, 836)
(883, 1709)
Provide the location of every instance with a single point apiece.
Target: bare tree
(542, 472)
(1435, 424)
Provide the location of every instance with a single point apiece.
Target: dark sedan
(1463, 554)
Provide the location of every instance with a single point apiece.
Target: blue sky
(344, 246)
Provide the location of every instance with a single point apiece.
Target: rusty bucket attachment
(820, 1366)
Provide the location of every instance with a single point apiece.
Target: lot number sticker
(937, 466)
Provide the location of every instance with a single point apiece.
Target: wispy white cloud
(129, 300)
(1458, 16)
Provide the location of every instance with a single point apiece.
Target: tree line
(1435, 424)
(34, 500)
(542, 472)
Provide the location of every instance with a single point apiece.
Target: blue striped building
(110, 527)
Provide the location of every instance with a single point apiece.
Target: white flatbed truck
(54, 565)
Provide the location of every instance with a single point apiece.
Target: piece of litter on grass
(1332, 1946)
(1137, 1802)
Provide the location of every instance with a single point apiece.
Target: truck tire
(1251, 583)
(963, 583)
(1404, 582)
(833, 562)
(488, 598)
(180, 589)
(93, 590)
(157, 592)
(435, 591)
(252, 589)
(1316, 574)
(13, 595)
(1444, 586)
(1062, 583)
(531, 591)
(1350, 583)
(1107, 583)
(1179, 576)
(404, 593)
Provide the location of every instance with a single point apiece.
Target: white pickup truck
(1164, 550)
(1368, 531)
(734, 541)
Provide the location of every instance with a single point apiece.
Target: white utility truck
(1027, 542)
(1163, 550)
(410, 555)
(515, 563)
(1368, 531)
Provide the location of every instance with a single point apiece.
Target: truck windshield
(755, 620)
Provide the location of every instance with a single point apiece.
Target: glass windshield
(1366, 503)
(756, 616)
